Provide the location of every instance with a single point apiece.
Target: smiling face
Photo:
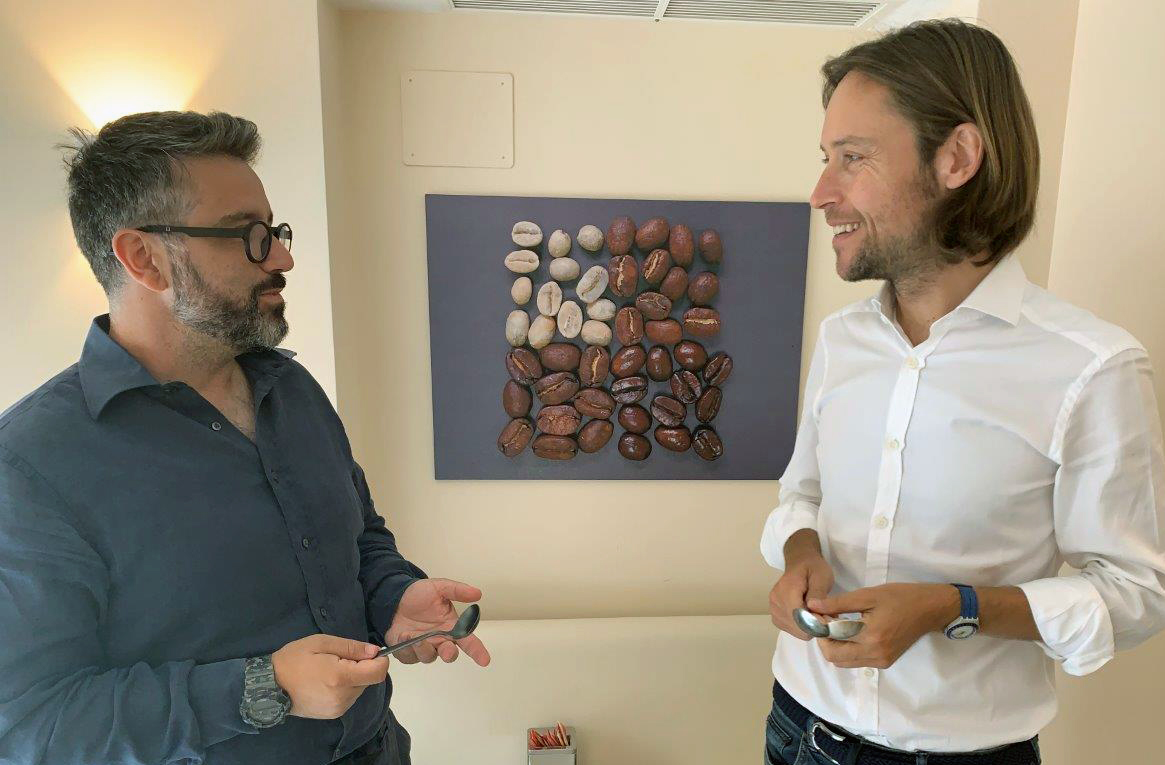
(875, 193)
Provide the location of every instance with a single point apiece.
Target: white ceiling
(894, 13)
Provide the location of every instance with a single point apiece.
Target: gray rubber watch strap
(264, 703)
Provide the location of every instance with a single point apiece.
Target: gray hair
(130, 174)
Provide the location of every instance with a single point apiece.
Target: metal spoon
(838, 629)
(466, 624)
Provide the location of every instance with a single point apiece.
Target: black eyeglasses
(256, 236)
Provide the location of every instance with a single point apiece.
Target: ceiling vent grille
(640, 8)
(846, 13)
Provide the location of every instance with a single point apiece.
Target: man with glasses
(191, 565)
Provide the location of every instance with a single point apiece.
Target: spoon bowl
(466, 624)
(838, 629)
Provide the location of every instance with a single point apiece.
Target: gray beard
(241, 328)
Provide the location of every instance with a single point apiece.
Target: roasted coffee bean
(594, 436)
(656, 266)
(707, 444)
(635, 418)
(515, 436)
(703, 287)
(690, 355)
(628, 390)
(659, 366)
(702, 322)
(680, 245)
(634, 446)
(620, 235)
(556, 388)
(594, 402)
(708, 405)
(629, 325)
(675, 439)
(675, 284)
(711, 248)
(653, 233)
(666, 332)
(653, 305)
(628, 361)
(685, 386)
(559, 420)
(590, 238)
(523, 366)
(668, 411)
(717, 369)
(623, 275)
(551, 447)
(560, 357)
(516, 399)
(594, 366)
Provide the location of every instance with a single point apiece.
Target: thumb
(344, 648)
(858, 600)
(457, 591)
(363, 673)
(818, 588)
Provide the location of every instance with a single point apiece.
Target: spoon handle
(411, 641)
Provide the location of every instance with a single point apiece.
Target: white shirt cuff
(1073, 621)
(782, 523)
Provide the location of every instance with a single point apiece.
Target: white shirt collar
(1000, 294)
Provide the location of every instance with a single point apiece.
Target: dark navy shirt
(147, 547)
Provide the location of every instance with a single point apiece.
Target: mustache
(276, 282)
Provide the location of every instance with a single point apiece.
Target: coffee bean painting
(614, 338)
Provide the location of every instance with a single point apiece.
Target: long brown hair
(944, 73)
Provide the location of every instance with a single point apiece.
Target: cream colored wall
(67, 62)
(602, 108)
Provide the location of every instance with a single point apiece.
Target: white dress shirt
(1022, 434)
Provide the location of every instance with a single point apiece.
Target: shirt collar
(1000, 294)
(106, 369)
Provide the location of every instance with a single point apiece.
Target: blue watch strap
(969, 608)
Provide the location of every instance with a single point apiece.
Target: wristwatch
(967, 623)
(264, 704)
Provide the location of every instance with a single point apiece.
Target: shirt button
(881, 521)
(306, 543)
(870, 672)
(324, 613)
(912, 362)
(892, 444)
(216, 426)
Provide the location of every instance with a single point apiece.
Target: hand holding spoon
(466, 624)
(838, 629)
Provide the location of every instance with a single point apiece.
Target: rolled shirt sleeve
(800, 494)
(1109, 507)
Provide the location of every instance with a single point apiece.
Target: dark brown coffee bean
(658, 363)
(628, 390)
(656, 266)
(703, 287)
(634, 446)
(629, 325)
(717, 369)
(628, 360)
(711, 248)
(523, 365)
(620, 235)
(516, 399)
(654, 306)
(674, 439)
(708, 405)
(680, 245)
(702, 322)
(560, 357)
(515, 436)
(552, 447)
(556, 388)
(594, 366)
(594, 436)
(666, 332)
(635, 418)
(668, 411)
(653, 233)
(685, 386)
(559, 420)
(675, 284)
(690, 355)
(594, 402)
(623, 274)
(707, 444)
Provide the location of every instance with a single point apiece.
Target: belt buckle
(813, 739)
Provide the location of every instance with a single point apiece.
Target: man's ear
(960, 156)
(143, 257)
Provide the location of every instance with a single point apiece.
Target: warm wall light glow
(108, 94)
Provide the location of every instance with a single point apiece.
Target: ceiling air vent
(641, 8)
(847, 13)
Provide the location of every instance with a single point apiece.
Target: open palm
(428, 605)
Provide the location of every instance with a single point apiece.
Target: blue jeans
(787, 744)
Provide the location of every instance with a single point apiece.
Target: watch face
(963, 631)
(267, 707)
